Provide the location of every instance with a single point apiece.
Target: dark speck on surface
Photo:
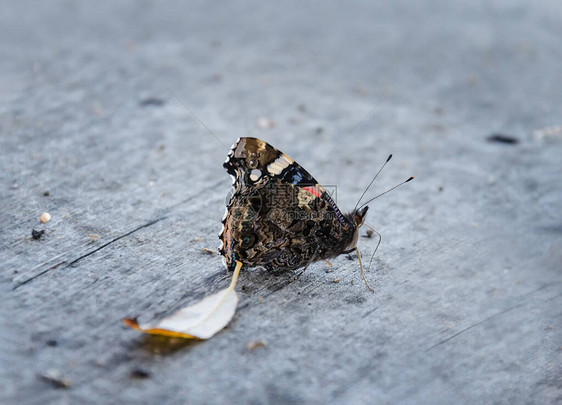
(52, 343)
(500, 138)
(139, 373)
(47, 193)
(35, 234)
(554, 228)
(151, 101)
(369, 233)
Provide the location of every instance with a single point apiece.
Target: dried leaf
(199, 321)
(256, 344)
(55, 378)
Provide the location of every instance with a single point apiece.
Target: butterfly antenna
(387, 191)
(374, 178)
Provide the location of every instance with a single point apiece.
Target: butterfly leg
(300, 274)
(376, 248)
(362, 270)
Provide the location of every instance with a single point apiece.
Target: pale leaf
(198, 321)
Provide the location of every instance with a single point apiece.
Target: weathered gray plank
(471, 254)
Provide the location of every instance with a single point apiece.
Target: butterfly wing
(278, 216)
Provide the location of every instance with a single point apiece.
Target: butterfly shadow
(258, 281)
(158, 346)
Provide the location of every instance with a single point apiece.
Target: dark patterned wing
(278, 216)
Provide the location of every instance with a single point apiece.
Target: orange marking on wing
(313, 190)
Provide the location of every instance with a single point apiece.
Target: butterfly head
(358, 218)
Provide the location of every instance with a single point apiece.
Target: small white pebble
(45, 217)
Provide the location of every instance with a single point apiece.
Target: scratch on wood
(490, 317)
(56, 266)
(87, 254)
(369, 312)
(166, 210)
(474, 325)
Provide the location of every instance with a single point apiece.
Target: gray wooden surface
(472, 249)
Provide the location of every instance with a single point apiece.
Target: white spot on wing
(274, 168)
(282, 161)
(224, 215)
(280, 164)
(255, 175)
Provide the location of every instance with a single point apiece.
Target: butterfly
(278, 216)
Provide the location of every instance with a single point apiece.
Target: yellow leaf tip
(132, 323)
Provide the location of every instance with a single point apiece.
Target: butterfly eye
(252, 163)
